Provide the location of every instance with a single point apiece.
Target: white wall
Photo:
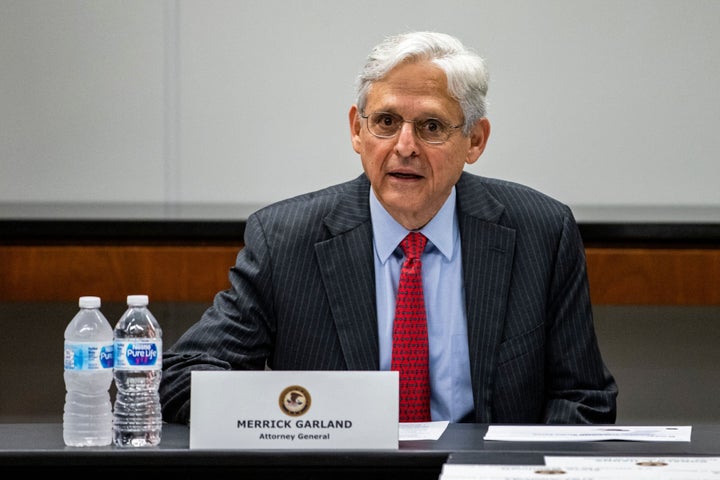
(612, 102)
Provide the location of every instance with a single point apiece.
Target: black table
(39, 448)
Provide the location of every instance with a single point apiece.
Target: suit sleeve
(579, 387)
(235, 333)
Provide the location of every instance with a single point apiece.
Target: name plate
(294, 410)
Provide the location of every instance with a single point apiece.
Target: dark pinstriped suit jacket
(302, 297)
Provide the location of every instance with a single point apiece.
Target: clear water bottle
(137, 418)
(87, 415)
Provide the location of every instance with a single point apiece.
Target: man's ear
(478, 140)
(355, 126)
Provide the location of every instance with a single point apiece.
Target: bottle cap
(137, 300)
(89, 302)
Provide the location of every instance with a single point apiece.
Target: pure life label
(138, 354)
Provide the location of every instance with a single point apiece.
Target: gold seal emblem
(294, 401)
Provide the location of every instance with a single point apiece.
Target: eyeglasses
(429, 130)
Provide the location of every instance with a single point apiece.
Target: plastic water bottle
(137, 419)
(87, 416)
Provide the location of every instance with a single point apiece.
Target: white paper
(513, 472)
(667, 463)
(587, 433)
(576, 472)
(422, 430)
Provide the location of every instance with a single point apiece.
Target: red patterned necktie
(410, 339)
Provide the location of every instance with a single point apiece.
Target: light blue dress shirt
(451, 397)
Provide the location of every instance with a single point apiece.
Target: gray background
(612, 102)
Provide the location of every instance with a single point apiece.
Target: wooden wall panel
(618, 276)
(165, 273)
(654, 276)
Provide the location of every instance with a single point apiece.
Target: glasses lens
(432, 130)
(387, 125)
(384, 124)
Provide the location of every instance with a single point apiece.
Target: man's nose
(407, 141)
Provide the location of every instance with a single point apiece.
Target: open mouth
(405, 175)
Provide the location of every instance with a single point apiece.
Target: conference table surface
(39, 447)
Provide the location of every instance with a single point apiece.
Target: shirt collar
(388, 233)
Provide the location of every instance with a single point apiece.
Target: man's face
(411, 178)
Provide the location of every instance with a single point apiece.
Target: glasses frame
(451, 128)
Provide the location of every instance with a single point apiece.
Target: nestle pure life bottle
(87, 415)
(137, 419)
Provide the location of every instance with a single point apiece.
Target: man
(508, 314)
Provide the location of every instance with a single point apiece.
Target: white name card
(294, 410)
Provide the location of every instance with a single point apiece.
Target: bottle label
(88, 355)
(138, 354)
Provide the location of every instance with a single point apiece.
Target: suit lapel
(487, 250)
(346, 263)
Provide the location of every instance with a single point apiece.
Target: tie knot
(413, 244)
